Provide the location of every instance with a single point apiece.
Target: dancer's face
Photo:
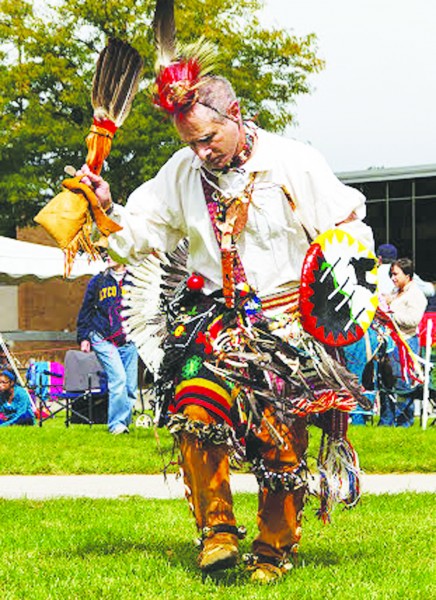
(214, 139)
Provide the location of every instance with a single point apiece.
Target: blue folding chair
(79, 387)
(85, 391)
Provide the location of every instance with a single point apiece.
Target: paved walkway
(154, 486)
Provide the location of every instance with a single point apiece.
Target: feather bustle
(153, 284)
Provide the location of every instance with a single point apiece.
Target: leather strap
(228, 218)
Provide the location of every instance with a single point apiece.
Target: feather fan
(115, 83)
(68, 217)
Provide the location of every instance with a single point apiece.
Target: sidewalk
(154, 486)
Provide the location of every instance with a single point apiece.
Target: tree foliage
(47, 59)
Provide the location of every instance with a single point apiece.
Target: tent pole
(11, 361)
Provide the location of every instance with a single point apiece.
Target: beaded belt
(286, 297)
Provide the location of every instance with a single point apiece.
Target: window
(425, 211)
(400, 188)
(376, 219)
(401, 226)
(426, 186)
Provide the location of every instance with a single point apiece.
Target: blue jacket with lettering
(101, 309)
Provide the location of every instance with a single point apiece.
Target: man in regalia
(249, 203)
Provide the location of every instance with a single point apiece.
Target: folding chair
(44, 380)
(427, 339)
(360, 416)
(85, 389)
(430, 406)
(78, 387)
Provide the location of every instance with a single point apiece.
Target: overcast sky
(374, 105)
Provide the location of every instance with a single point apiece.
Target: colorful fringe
(410, 368)
(338, 467)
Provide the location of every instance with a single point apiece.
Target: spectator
(386, 254)
(15, 404)
(99, 327)
(406, 305)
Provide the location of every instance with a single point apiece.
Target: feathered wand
(115, 84)
(68, 217)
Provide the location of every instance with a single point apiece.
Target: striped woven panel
(286, 298)
(206, 393)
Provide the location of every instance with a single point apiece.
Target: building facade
(401, 209)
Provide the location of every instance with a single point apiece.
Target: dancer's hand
(98, 184)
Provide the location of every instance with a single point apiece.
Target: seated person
(406, 305)
(15, 405)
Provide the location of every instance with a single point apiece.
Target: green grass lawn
(54, 449)
(135, 548)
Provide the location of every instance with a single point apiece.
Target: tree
(47, 59)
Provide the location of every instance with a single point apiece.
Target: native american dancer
(242, 355)
(248, 203)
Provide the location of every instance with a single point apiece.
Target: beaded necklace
(241, 158)
(228, 214)
(228, 217)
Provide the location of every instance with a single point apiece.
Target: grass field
(135, 548)
(54, 449)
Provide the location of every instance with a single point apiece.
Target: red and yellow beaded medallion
(338, 292)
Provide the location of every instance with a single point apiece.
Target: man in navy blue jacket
(99, 328)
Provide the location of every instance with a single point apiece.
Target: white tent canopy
(23, 261)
